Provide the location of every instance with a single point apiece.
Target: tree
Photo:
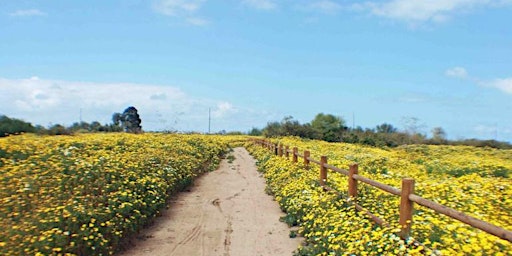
(14, 126)
(328, 127)
(288, 127)
(438, 135)
(273, 129)
(255, 132)
(291, 127)
(117, 118)
(412, 125)
(58, 129)
(131, 120)
(385, 128)
(95, 126)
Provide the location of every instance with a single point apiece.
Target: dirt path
(225, 213)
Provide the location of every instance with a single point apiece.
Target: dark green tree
(255, 132)
(14, 126)
(117, 118)
(328, 127)
(273, 129)
(131, 120)
(385, 128)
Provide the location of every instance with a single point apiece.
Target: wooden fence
(408, 198)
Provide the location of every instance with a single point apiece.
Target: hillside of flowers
(81, 195)
(472, 180)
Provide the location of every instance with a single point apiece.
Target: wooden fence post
(323, 170)
(287, 153)
(306, 156)
(275, 148)
(280, 150)
(295, 153)
(406, 207)
(352, 183)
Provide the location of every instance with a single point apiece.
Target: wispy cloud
(181, 9)
(177, 7)
(325, 6)
(224, 108)
(27, 13)
(457, 72)
(161, 107)
(502, 84)
(420, 11)
(261, 4)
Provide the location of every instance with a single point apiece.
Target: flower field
(81, 195)
(475, 181)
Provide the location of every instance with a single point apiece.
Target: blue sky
(446, 63)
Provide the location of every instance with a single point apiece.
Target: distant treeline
(333, 129)
(128, 121)
(323, 127)
(13, 126)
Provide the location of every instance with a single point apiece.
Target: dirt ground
(226, 212)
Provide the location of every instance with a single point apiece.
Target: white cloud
(457, 72)
(161, 107)
(223, 108)
(177, 7)
(419, 11)
(261, 4)
(181, 9)
(504, 84)
(27, 13)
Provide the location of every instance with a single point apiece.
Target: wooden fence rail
(406, 193)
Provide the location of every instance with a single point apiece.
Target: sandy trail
(225, 213)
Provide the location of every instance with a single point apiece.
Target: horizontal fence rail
(406, 194)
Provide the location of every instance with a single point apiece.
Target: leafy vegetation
(130, 120)
(14, 126)
(83, 194)
(331, 128)
(469, 179)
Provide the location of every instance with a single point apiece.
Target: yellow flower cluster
(472, 180)
(80, 195)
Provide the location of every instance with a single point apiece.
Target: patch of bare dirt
(225, 213)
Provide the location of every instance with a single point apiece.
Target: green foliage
(289, 127)
(255, 132)
(328, 127)
(438, 135)
(87, 194)
(57, 130)
(131, 120)
(332, 129)
(385, 128)
(14, 126)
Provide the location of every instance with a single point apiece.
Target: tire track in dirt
(225, 213)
